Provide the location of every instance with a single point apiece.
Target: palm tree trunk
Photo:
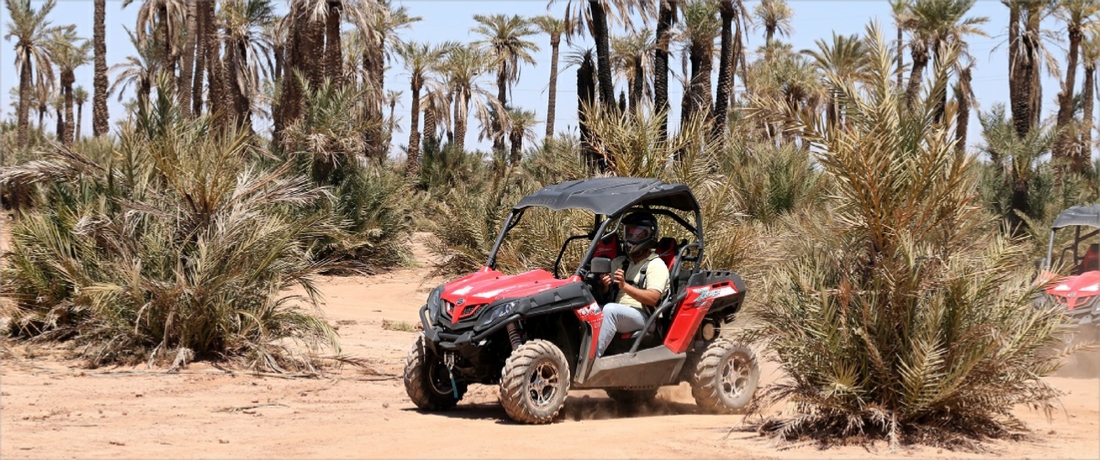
(431, 143)
(637, 85)
(603, 53)
(502, 96)
(552, 98)
(727, 66)
(373, 65)
(79, 117)
(920, 60)
(183, 83)
(901, 58)
(515, 155)
(334, 58)
(962, 116)
(586, 99)
(171, 55)
(215, 95)
(1033, 46)
(100, 117)
(660, 62)
(461, 107)
(60, 125)
(1018, 70)
(202, 23)
(412, 164)
(1087, 100)
(242, 112)
(67, 80)
(24, 103)
(1064, 142)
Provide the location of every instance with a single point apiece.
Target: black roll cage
(600, 224)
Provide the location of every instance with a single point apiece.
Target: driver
(637, 281)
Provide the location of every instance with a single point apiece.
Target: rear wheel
(534, 382)
(428, 382)
(632, 397)
(725, 378)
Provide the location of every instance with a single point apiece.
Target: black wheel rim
(542, 383)
(734, 378)
(440, 379)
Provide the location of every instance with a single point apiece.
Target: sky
(443, 20)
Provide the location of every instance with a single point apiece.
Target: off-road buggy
(1079, 291)
(534, 333)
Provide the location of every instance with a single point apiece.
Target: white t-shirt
(656, 277)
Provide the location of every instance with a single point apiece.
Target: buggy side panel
(709, 292)
(645, 369)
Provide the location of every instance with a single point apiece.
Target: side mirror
(600, 266)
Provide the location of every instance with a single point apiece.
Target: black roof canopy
(611, 195)
(1088, 216)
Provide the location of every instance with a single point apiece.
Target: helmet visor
(635, 234)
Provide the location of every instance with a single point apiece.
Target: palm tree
(666, 18)
(418, 58)
(933, 24)
(964, 99)
(68, 55)
(184, 83)
(1090, 56)
(775, 17)
(596, 15)
(899, 9)
(1016, 157)
(732, 13)
(463, 69)
(555, 28)
(378, 26)
(523, 127)
(631, 56)
(32, 32)
(1026, 56)
(845, 59)
(698, 29)
(247, 53)
(80, 96)
(1077, 14)
(139, 71)
(162, 21)
(100, 115)
(505, 41)
(391, 99)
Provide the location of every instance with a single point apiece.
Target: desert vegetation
(890, 258)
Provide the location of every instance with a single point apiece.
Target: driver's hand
(619, 278)
(605, 279)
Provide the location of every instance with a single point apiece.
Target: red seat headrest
(608, 246)
(666, 250)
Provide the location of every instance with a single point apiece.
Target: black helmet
(639, 232)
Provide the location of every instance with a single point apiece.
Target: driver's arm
(647, 297)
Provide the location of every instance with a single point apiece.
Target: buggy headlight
(494, 314)
(433, 302)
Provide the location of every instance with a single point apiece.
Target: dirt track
(51, 408)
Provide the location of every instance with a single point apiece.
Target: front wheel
(725, 378)
(534, 382)
(428, 382)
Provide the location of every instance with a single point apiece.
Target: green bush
(898, 316)
(180, 239)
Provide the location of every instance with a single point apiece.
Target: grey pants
(618, 319)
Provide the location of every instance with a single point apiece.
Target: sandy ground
(53, 408)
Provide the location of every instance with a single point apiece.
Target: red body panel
(466, 295)
(1072, 290)
(593, 315)
(692, 311)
